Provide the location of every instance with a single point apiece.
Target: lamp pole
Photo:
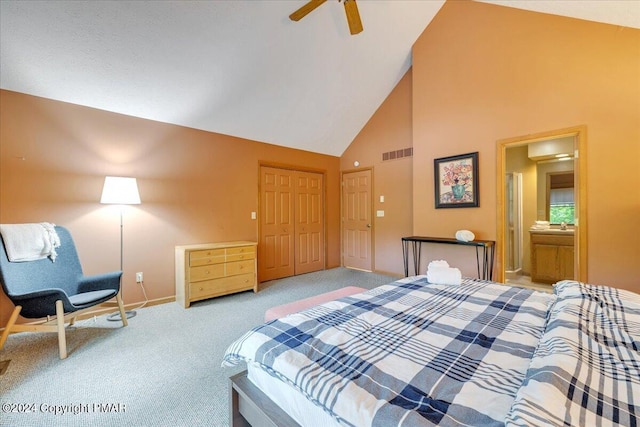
(120, 191)
(130, 313)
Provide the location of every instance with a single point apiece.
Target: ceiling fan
(350, 8)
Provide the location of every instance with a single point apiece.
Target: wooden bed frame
(250, 407)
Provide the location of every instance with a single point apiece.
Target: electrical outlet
(139, 277)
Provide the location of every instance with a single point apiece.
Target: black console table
(488, 251)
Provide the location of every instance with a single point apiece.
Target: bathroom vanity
(552, 255)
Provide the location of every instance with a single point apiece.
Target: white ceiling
(239, 68)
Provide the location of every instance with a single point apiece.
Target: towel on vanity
(439, 273)
(30, 242)
(541, 225)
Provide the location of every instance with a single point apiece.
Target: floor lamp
(120, 191)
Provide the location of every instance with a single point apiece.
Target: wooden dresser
(213, 269)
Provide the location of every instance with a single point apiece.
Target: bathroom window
(560, 198)
(561, 206)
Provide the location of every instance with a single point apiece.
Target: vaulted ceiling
(239, 68)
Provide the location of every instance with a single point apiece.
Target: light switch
(381, 199)
(253, 215)
(379, 214)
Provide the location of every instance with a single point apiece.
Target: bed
(412, 353)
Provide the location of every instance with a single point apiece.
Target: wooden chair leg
(9, 326)
(62, 339)
(123, 314)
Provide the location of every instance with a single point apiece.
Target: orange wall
(195, 186)
(483, 73)
(388, 129)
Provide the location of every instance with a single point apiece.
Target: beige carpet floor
(162, 370)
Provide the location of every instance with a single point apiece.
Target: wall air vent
(397, 154)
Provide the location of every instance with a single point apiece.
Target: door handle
(368, 225)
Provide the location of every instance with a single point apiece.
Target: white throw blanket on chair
(30, 242)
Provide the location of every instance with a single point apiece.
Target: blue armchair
(44, 288)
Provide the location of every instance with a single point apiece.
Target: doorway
(536, 227)
(292, 232)
(357, 249)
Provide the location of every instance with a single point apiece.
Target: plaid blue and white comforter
(586, 369)
(407, 353)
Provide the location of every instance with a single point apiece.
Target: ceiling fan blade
(353, 16)
(306, 9)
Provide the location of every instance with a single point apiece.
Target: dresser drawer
(205, 272)
(241, 253)
(215, 287)
(240, 267)
(205, 257)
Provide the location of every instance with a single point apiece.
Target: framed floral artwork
(456, 181)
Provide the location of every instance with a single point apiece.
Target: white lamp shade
(120, 191)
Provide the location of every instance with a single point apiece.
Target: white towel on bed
(440, 273)
(438, 263)
(30, 242)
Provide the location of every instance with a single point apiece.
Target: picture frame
(456, 181)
